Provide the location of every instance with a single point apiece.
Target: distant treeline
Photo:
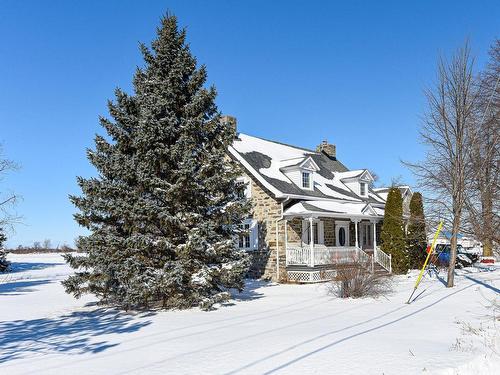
(44, 247)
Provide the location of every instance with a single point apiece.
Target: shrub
(416, 237)
(392, 235)
(355, 280)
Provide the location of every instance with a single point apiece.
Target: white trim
(311, 241)
(369, 208)
(341, 222)
(311, 179)
(362, 176)
(310, 160)
(314, 167)
(328, 214)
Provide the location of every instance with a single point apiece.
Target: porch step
(379, 270)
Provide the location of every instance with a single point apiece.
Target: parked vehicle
(464, 258)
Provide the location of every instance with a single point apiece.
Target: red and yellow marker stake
(429, 252)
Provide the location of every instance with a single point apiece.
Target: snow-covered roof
(383, 192)
(355, 174)
(267, 161)
(334, 208)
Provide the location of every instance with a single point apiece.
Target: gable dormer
(300, 171)
(357, 181)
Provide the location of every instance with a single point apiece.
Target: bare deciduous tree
(442, 175)
(7, 199)
(483, 192)
(47, 244)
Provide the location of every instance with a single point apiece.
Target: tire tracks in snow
(313, 352)
(166, 333)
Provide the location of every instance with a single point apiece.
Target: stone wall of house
(267, 210)
(329, 231)
(294, 230)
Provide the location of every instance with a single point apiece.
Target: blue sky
(296, 71)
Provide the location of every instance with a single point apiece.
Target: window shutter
(248, 188)
(305, 231)
(254, 235)
(321, 233)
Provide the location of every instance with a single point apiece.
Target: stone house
(310, 212)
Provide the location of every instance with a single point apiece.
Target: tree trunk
(453, 251)
(488, 223)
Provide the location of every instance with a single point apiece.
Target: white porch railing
(297, 255)
(385, 260)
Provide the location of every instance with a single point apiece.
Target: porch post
(286, 241)
(356, 232)
(374, 235)
(311, 240)
(277, 254)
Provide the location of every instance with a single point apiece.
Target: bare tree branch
(445, 132)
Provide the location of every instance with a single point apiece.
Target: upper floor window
(245, 189)
(362, 189)
(306, 180)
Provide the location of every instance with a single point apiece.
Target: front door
(342, 234)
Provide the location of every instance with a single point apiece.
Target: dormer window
(300, 171)
(306, 180)
(358, 181)
(362, 189)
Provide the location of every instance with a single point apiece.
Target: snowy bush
(355, 279)
(4, 263)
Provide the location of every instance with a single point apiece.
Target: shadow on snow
(27, 266)
(73, 333)
(15, 288)
(251, 291)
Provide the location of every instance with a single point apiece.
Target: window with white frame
(248, 235)
(362, 189)
(318, 232)
(315, 235)
(306, 180)
(245, 236)
(245, 191)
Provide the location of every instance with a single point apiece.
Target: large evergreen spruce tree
(4, 263)
(416, 237)
(392, 235)
(165, 208)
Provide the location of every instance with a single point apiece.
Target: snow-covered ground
(282, 329)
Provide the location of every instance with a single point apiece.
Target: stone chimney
(230, 121)
(327, 149)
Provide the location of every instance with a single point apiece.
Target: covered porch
(321, 235)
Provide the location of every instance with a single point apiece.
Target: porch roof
(353, 210)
